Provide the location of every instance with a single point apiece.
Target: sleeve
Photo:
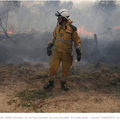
(53, 37)
(77, 40)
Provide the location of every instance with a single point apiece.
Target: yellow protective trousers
(56, 58)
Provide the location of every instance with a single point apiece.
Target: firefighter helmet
(63, 13)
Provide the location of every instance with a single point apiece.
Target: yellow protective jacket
(63, 36)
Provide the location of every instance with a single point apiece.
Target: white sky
(62, 0)
(74, 1)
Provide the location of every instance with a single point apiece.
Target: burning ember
(82, 31)
(10, 31)
(76, 60)
(117, 27)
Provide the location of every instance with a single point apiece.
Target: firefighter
(63, 36)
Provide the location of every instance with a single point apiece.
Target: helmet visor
(58, 14)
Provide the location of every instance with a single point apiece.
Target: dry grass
(88, 84)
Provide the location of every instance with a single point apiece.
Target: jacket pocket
(68, 32)
(68, 35)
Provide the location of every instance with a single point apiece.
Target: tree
(103, 12)
(105, 6)
(10, 6)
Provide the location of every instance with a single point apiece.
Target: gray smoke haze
(97, 17)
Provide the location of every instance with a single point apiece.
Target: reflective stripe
(78, 47)
(51, 78)
(63, 40)
(63, 78)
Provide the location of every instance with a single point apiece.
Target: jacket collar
(68, 23)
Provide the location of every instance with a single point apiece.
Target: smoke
(32, 25)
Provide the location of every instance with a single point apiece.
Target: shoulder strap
(73, 27)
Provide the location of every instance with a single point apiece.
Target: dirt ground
(21, 90)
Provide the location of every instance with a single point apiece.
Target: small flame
(76, 60)
(13, 31)
(29, 30)
(117, 27)
(10, 31)
(82, 31)
(37, 29)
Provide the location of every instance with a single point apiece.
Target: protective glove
(78, 55)
(49, 51)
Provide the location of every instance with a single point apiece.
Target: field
(94, 88)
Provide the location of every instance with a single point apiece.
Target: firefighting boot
(64, 86)
(49, 84)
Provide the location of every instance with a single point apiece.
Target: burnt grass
(27, 81)
(98, 77)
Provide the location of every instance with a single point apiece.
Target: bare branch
(6, 32)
